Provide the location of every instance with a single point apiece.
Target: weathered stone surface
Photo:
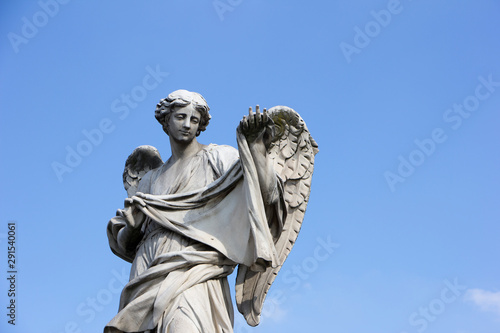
(189, 221)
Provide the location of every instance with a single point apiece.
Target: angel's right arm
(125, 230)
(122, 241)
(258, 129)
(130, 235)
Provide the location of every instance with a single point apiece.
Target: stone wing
(293, 150)
(142, 159)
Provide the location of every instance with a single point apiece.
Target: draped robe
(199, 226)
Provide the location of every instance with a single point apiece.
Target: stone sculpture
(188, 222)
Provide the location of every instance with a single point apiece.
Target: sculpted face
(183, 123)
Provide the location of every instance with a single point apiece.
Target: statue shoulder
(222, 157)
(224, 151)
(145, 183)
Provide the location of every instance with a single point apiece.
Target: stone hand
(132, 214)
(257, 127)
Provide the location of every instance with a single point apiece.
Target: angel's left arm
(268, 181)
(258, 129)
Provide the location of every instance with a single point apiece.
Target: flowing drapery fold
(225, 223)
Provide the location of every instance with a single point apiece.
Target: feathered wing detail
(142, 159)
(292, 150)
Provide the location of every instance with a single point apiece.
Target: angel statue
(189, 221)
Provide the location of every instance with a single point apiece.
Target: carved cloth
(193, 238)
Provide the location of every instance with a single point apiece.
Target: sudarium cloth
(199, 226)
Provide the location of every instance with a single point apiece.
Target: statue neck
(183, 150)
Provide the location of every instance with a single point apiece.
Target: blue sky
(403, 98)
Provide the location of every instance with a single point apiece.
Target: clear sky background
(402, 230)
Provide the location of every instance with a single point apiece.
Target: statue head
(181, 98)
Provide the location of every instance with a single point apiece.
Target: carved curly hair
(182, 98)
